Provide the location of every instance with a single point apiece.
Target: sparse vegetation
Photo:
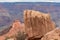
(20, 36)
(7, 38)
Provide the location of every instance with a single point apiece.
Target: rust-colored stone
(37, 23)
(52, 35)
(16, 27)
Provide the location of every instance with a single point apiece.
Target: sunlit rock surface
(53, 35)
(37, 23)
(13, 31)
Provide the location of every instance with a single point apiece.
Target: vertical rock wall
(37, 23)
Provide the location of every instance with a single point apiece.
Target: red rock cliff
(37, 23)
(16, 27)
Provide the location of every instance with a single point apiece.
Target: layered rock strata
(37, 23)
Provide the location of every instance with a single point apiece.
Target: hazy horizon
(14, 10)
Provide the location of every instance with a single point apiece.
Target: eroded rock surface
(13, 31)
(53, 35)
(16, 27)
(37, 23)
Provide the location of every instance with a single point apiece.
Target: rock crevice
(37, 23)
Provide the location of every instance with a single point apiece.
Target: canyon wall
(37, 23)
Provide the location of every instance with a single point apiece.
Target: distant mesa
(4, 12)
(4, 20)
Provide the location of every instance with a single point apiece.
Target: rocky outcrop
(6, 30)
(53, 35)
(16, 27)
(37, 23)
(13, 31)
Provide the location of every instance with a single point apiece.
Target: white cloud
(9, 0)
(29, 0)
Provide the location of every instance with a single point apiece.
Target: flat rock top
(37, 23)
(36, 13)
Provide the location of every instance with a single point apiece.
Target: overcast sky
(29, 0)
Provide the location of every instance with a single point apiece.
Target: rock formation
(53, 35)
(15, 28)
(37, 23)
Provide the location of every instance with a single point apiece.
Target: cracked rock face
(53, 35)
(16, 27)
(37, 23)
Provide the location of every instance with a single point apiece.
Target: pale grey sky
(29, 0)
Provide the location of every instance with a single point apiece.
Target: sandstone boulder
(53, 35)
(37, 23)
